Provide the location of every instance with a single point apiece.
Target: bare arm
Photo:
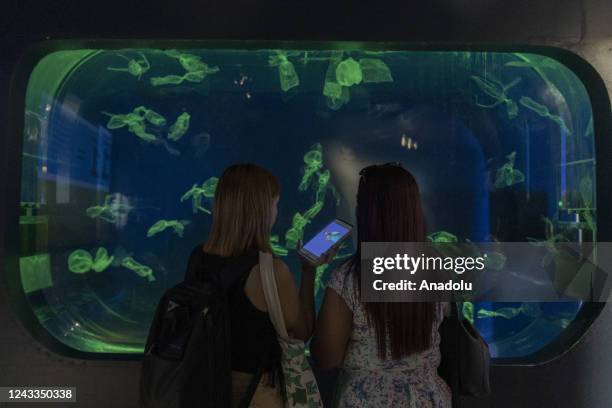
(298, 306)
(307, 299)
(334, 327)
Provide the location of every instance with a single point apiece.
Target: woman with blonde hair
(244, 211)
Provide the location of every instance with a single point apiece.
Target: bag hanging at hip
(300, 385)
(465, 357)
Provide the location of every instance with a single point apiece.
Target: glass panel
(122, 149)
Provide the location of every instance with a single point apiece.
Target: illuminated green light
(140, 269)
(375, 71)
(80, 261)
(313, 162)
(507, 175)
(276, 247)
(177, 225)
(135, 67)
(543, 112)
(180, 127)
(35, 271)
(286, 71)
(498, 92)
(467, 310)
(442, 236)
(348, 72)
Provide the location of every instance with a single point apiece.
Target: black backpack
(187, 360)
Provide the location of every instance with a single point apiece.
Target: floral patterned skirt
(410, 388)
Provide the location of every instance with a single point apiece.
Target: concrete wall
(25, 362)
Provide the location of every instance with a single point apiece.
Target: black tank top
(254, 341)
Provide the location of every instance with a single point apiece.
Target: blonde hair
(242, 211)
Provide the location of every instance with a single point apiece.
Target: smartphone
(330, 235)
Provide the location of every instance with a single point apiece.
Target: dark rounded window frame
(592, 81)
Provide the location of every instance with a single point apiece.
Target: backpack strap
(266, 271)
(229, 274)
(270, 289)
(194, 265)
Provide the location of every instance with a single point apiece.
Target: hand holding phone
(325, 258)
(323, 246)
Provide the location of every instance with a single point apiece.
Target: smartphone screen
(326, 238)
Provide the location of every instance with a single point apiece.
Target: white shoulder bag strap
(268, 280)
(300, 383)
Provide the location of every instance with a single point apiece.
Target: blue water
(428, 118)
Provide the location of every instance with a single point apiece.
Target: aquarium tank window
(122, 150)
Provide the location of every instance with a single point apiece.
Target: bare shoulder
(279, 264)
(281, 270)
